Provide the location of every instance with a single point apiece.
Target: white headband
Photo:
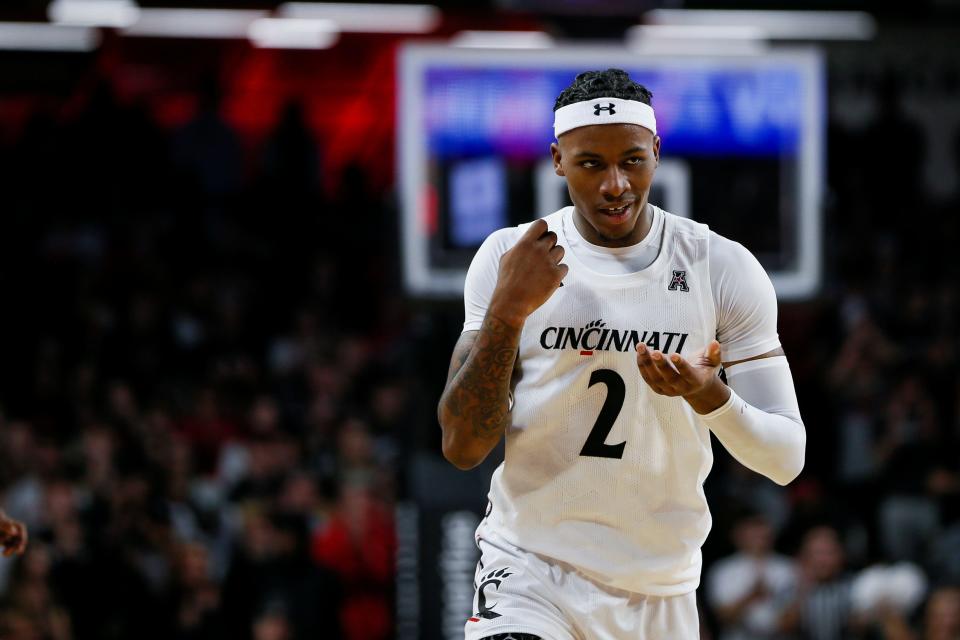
(603, 111)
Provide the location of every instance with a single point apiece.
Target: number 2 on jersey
(616, 392)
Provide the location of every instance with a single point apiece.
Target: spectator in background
(358, 543)
(272, 624)
(747, 588)
(193, 608)
(207, 151)
(819, 607)
(291, 161)
(207, 429)
(911, 449)
(272, 571)
(31, 594)
(942, 615)
(884, 597)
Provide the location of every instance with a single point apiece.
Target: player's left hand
(674, 375)
(13, 536)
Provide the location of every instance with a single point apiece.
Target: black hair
(612, 83)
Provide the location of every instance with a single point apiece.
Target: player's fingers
(549, 239)
(658, 385)
(672, 379)
(535, 230)
(652, 382)
(557, 253)
(643, 355)
(645, 361)
(645, 365)
(712, 353)
(662, 365)
(684, 370)
(663, 377)
(563, 270)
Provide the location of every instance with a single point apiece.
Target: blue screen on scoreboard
(701, 111)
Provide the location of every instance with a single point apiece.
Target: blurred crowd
(866, 543)
(209, 386)
(203, 395)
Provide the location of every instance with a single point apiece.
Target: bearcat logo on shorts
(595, 336)
(493, 578)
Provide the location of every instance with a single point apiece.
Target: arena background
(217, 395)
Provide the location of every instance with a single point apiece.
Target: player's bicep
(746, 304)
(482, 277)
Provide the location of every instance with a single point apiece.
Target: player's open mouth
(616, 214)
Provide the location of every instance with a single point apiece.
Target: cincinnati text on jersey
(595, 336)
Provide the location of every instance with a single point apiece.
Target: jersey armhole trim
(752, 351)
(758, 363)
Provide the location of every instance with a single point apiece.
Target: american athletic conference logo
(678, 282)
(596, 336)
(599, 108)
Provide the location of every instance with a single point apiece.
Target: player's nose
(614, 183)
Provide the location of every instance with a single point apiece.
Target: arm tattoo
(480, 378)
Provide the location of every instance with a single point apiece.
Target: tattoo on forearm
(479, 391)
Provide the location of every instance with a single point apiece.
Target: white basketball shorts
(520, 592)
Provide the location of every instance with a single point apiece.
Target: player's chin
(610, 231)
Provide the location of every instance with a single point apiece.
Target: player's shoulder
(726, 253)
(736, 276)
(687, 238)
(683, 226)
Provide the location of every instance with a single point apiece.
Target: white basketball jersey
(600, 471)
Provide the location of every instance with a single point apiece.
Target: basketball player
(593, 341)
(13, 536)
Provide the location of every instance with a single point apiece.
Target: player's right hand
(529, 274)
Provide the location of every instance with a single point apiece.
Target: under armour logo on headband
(613, 110)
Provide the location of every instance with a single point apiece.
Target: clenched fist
(529, 274)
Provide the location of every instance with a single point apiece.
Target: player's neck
(640, 230)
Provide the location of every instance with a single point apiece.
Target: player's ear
(555, 152)
(656, 149)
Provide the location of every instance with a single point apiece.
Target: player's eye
(589, 164)
(635, 160)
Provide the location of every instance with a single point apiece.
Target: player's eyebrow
(633, 150)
